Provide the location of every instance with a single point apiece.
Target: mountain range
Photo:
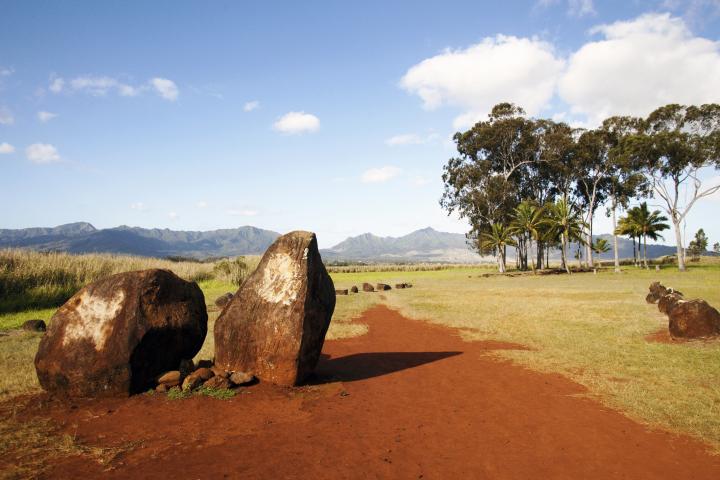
(425, 245)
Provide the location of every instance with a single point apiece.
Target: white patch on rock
(281, 280)
(92, 319)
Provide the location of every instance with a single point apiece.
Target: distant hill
(429, 245)
(84, 238)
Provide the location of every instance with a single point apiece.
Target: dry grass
(397, 267)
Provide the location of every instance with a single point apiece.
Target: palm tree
(600, 246)
(497, 240)
(527, 223)
(566, 220)
(649, 224)
(628, 226)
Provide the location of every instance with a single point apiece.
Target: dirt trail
(407, 400)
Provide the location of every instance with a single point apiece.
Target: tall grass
(34, 280)
(400, 267)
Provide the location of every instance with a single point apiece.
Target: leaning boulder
(693, 319)
(275, 325)
(117, 335)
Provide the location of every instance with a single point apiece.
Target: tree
(566, 221)
(677, 143)
(527, 224)
(600, 246)
(498, 239)
(627, 226)
(699, 245)
(648, 224)
(716, 247)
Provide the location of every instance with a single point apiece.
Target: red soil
(407, 400)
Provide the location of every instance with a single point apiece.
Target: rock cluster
(209, 376)
(686, 318)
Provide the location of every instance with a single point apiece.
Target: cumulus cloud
(44, 116)
(639, 65)
(6, 116)
(381, 174)
(503, 68)
(575, 8)
(139, 206)
(100, 86)
(42, 153)
(165, 88)
(297, 122)
(411, 139)
(6, 71)
(201, 204)
(6, 148)
(250, 106)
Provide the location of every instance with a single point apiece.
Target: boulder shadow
(361, 366)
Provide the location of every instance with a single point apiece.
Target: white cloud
(420, 181)
(250, 106)
(56, 84)
(6, 148)
(42, 153)
(381, 174)
(297, 122)
(411, 139)
(201, 204)
(575, 8)
(519, 70)
(44, 116)
(165, 88)
(6, 71)
(242, 212)
(6, 116)
(139, 206)
(173, 215)
(640, 65)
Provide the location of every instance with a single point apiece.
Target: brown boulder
(354, 289)
(218, 382)
(220, 372)
(34, 326)
(223, 300)
(382, 286)
(399, 286)
(668, 301)
(341, 291)
(171, 378)
(275, 325)
(368, 288)
(694, 319)
(241, 378)
(117, 335)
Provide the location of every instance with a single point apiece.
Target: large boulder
(657, 290)
(34, 326)
(117, 335)
(693, 319)
(668, 301)
(367, 287)
(274, 327)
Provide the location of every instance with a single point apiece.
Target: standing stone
(354, 289)
(657, 290)
(34, 326)
(275, 325)
(693, 319)
(382, 286)
(368, 288)
(341, 291)
(117, 335)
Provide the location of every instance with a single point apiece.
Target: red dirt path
(407, 400)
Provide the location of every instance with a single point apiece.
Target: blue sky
(327, 116)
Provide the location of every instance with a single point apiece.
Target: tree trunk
(615, 237)
(539, 254)
(645, 251)
(564, 253)
(588, 247)
(634, 255)
(679, 245)
(501, 263)
(532, 260)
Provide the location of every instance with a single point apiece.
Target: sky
(334, 117)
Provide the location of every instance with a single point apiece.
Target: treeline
(536, 184)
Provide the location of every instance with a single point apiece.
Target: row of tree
(536, 184)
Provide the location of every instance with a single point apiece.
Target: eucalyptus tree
(678, 143)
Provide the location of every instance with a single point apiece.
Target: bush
(234, 271)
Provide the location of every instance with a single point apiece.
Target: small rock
(170, 378)
(162, 388)
(223, 300)
(34, 326)
(382, 286)
(217, 382)
(367, 287)
(192, 382)
(220, 372)
(241, 378)
(354, 289)
(186, 367)
(341, 291)
(204, 373)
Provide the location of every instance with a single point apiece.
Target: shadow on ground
(361, 366)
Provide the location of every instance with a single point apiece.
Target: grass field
(588, 327)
